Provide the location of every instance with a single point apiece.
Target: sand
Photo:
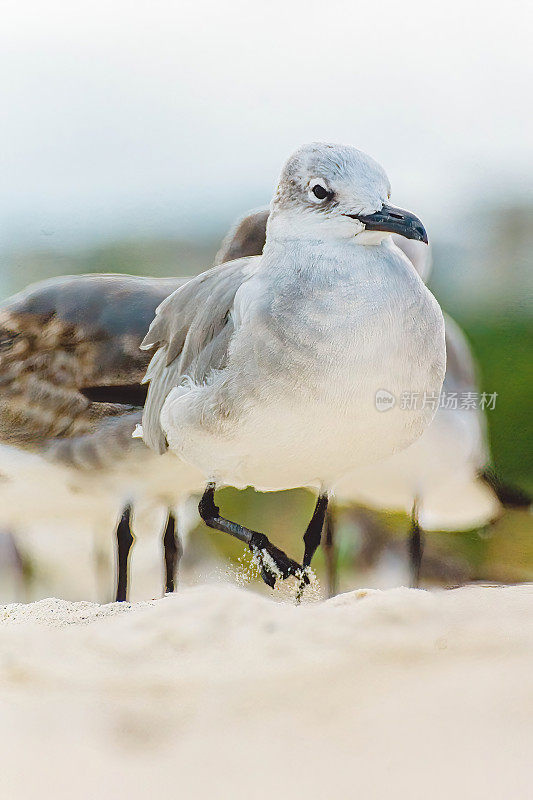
(218, 692)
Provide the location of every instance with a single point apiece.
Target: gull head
(333, 191)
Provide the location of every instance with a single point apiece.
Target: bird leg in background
(416, 547)
(274, 563)
(173, 552)
(124, 543)
(330, 553)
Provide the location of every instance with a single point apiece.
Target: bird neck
(313, 229)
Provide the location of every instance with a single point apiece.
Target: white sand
(218, 692)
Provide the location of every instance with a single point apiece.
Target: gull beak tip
(394, 220)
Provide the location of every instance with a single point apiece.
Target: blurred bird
(70, 377)
(266, 368)
(444, 481)
(438, 479)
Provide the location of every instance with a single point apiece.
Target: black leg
(312, 537)
(124, 543)
(330, 553)
(416, 547)
(313, 533)
(173, 553)
(274, 563)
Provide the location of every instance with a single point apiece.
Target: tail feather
(161, 379)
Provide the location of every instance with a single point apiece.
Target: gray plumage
(171, 330)
(192, 330)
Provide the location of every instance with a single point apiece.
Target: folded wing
(192, 330)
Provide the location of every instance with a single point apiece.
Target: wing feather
(192, 331)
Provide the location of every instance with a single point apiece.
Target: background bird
(70, 371)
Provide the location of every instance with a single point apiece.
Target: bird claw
(273, 562)
(303, 581)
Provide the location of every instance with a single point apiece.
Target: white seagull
(266, 368)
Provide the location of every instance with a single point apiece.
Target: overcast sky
(140, 118)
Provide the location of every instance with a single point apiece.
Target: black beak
(394, 220)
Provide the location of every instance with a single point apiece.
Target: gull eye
(319, 192)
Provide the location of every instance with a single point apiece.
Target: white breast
(318, 336)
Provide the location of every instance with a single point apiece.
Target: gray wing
(192, 330)
(62, 335)
(246, 238)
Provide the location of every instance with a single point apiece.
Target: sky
(123, 119)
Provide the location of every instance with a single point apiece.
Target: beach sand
(217, 692)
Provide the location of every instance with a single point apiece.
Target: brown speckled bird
(70, 394)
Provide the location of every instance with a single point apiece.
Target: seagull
(445, 480)
(70, 377)
(266, 369)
